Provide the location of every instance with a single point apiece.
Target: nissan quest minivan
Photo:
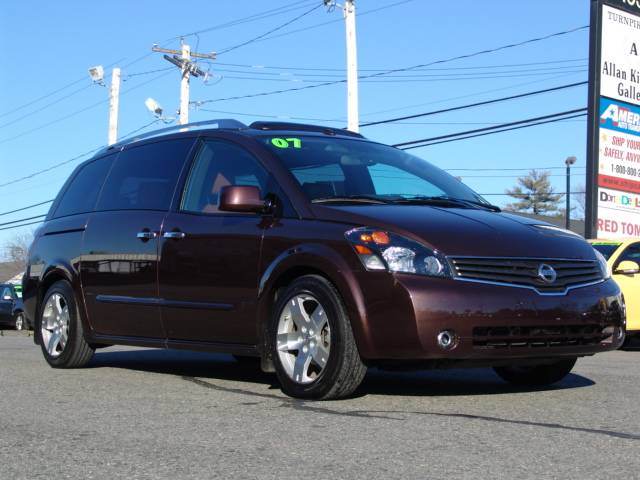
(317, 251)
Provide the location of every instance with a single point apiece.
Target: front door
(630, 286)
(209, 259)
(119, 263)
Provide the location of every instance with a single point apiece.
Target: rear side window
(144, 177)
(82, 193)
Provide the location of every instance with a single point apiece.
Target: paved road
(165, 414)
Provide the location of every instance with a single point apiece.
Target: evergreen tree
(535, 194)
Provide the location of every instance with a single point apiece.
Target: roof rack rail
(303, 127)
(225, 123)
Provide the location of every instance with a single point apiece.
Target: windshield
(606, 249)
(336, 168)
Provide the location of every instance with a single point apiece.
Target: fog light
(447, 340)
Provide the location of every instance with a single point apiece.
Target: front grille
(538, 337)
(523, 272)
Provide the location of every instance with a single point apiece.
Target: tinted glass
(6, 292)
(144, 177)
(631, 253)
(606, 249)
(81, 195)
(329, 166)
(217, 165)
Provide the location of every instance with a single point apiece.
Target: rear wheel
(62, 338)
(312, 344)
(536, 375)
(19, 322)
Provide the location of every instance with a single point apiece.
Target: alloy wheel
(303, 338)
(20, 322)
(55, 325)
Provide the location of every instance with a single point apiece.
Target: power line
(397, 70)
(77, 112)
(477, 104)
(327, 69)
(507, 169)
(273, 30)
(251, 18)
(22, 220)
(411, 144)
(25, 208)
(70, 160)
(23, 225)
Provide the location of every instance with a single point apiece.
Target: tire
(301, 372)
(536, 375)
(60, 329)
(19, 322)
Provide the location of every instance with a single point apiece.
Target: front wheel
(312, 344)
(60, 329)
(19, 322)
(536, 375)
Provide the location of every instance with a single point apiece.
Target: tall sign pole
(613, 151)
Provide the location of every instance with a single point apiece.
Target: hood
(461, 231)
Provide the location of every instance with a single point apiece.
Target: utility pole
(182, 59)
(353, 117)
(114, 103)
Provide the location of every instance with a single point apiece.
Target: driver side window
(631, 253)
(217, 165)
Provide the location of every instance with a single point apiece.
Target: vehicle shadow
(211, 367)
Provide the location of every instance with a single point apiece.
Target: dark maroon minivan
(314, 249)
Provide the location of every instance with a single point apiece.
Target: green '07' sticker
(286, 142)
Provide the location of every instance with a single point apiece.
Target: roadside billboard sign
(613, 156)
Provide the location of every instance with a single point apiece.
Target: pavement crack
(389, 414)
(558, 426)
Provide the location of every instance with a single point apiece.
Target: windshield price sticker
(286, 142)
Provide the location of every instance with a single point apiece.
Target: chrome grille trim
(521, 272)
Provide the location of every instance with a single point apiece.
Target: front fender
(321, 259)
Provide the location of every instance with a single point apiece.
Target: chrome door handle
(176, 235)
(144, 235)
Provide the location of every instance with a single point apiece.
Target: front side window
(82, 193)
(6, 294)
(217, 165)
(144, 177)
(631, 253)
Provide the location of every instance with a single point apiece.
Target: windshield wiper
(442, 199)
(353, 198)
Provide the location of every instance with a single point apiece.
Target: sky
(51, 113)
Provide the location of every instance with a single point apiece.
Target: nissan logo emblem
(546, 273)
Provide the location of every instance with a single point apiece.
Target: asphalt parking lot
(138, 413)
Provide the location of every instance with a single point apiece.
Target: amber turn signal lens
(381, 238)
(362, 250)
(365, 237)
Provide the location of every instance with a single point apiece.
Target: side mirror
(245, 199)
(627, 267)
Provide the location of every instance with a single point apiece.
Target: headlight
(604, 266)
(380, 250)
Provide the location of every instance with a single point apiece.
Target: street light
(97, 74)
(568, 162)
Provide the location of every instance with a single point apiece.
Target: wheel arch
(311, 259)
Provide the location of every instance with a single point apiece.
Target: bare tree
(580, 201)
(16, 248)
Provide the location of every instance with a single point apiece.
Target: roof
(234, 125)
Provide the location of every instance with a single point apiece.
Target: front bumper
(405, 313)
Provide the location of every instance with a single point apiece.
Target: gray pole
(568, 162)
